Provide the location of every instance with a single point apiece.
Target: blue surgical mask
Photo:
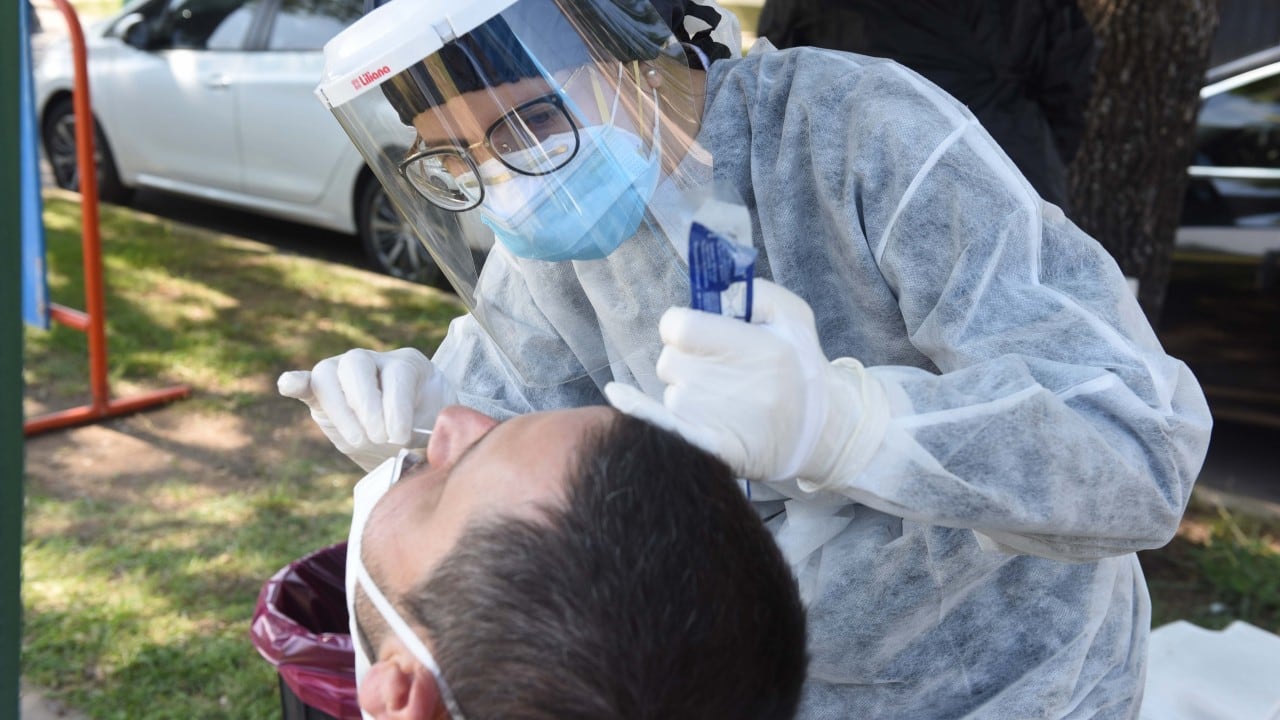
(583, 211)
(367, 493)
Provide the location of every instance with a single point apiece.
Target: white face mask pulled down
(367, 493)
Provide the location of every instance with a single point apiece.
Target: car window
(309, 24)
(204, 25)
(1241, 127)
(150, 10)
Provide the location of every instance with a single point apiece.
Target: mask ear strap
(635, 72)
(657, 120)
(657, 112)
(602, 104)
(410, 638)
(617, 93)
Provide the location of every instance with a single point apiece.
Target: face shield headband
(492, 54)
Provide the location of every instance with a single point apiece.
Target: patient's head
(578, 564)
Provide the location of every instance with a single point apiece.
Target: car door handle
(221, 81)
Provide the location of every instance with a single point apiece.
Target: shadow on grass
(221, 676)
(141, 609)
(186, 306)
(149, 537)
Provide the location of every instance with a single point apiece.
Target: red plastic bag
(300, 627)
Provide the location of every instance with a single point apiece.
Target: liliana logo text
(367, 78)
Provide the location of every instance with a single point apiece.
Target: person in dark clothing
(1024, 67)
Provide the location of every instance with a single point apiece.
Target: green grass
(183, 308)
(138, 588)
(1223, 566)
(1240, 559)
(89, 8)
(140, 609)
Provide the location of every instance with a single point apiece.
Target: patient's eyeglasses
(535, 138)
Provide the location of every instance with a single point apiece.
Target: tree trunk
(1128, 180)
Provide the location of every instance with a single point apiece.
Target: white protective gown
(983, 564)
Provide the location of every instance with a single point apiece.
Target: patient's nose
(457, 428)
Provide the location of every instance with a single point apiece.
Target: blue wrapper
(720, 273)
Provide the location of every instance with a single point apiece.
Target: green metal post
(10, 368)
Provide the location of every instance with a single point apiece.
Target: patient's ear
(390, 691)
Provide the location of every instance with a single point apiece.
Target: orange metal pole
(95, 305)
(86, 414)
(93, 321)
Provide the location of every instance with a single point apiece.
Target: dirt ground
(120, 460)
(215, 449)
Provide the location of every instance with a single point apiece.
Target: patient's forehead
(490, 471)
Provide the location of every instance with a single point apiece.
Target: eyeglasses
(536, 138)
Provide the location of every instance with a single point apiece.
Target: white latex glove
(762, 396)
(369, 403)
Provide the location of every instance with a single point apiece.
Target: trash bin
(300, 627)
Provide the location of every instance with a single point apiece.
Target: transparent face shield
(553, 169)
(542, 134)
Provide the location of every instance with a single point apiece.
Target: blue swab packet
(722, 259)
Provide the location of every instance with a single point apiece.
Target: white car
(1232, 202)
(214, 99)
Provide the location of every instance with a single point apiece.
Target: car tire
(388, 242)
(59, 135)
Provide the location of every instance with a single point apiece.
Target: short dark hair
(653, 592)
(492, 54)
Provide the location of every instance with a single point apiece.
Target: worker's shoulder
(841, 81)
(806, 61)
(821, 68)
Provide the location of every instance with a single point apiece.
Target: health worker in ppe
(467, 574)
(959, 491)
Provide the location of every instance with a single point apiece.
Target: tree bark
(1128, 180)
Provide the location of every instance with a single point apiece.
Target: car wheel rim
(397, 249)
(62, 152)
